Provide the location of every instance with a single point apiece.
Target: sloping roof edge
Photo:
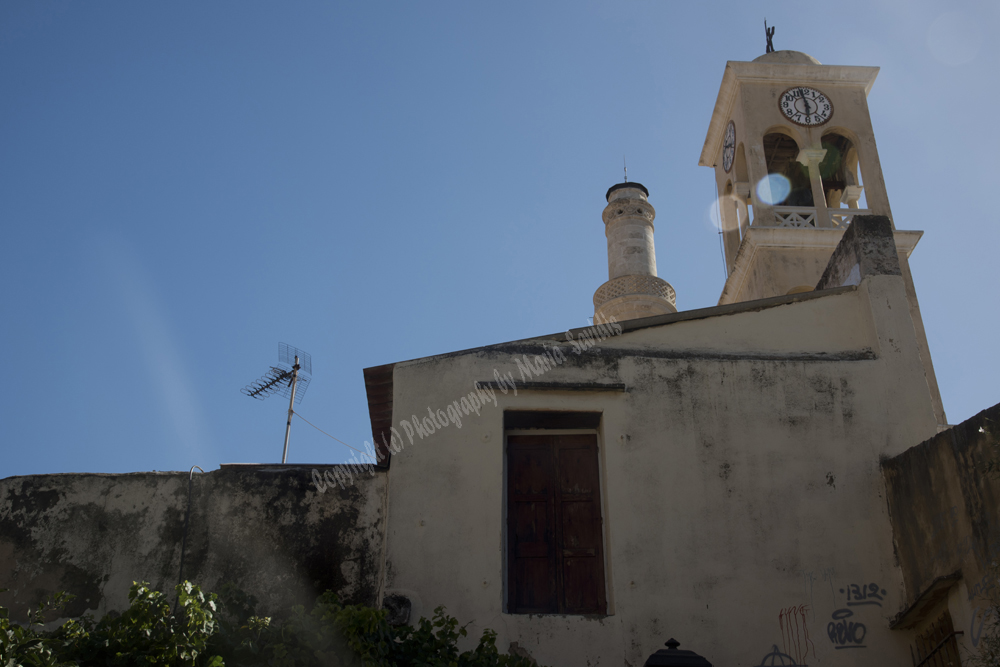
(378, 388)
(655, 321)
(379, 379)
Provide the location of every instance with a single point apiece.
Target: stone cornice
(784, 237)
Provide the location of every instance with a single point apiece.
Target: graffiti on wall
(795, 633)
(825, 576)
(844, 629)
(976, 631)
(845, 633)
(776, 657)
(983, 587)
(863, 594)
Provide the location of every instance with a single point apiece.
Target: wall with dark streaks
(943, 507)
(945, 513)
(264, 528)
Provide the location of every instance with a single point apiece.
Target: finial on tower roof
(769, 32)
(626, 167)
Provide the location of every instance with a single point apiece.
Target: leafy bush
(433, 642)
(213, 631)
(147, 633)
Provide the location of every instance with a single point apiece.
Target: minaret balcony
(636, 285)
(804, 217)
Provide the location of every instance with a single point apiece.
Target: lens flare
(773, 189)
(713, 215)
(954, 38)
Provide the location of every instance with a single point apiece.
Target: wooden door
(554, 531)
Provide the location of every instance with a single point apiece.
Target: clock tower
(794, 154)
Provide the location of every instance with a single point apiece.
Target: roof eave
(723, 105)
(647, 322)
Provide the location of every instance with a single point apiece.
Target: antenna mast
(293, 370)
(291, 407)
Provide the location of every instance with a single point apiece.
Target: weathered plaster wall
(265, 528)
(776, 270)
(946, 523)
(741, 483)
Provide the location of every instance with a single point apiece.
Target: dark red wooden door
(555, 538)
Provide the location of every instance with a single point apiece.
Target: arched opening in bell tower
(740, 163)
(729, 216)
(781, 157)
(742, 190)
(839, 172)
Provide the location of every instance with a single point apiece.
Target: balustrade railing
(804, 217)
(794, 216)
(841, 217)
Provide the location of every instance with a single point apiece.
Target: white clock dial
(805, 106)
(729, 147)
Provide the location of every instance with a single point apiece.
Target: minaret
(632, 290)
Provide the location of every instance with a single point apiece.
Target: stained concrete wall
(741, 488)
(945, 514)
(267, 529)
(867, 248)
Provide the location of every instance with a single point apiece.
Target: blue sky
(183, 185)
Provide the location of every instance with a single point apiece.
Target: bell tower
(793, 149)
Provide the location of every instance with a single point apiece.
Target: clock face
(805, 106)
(729, 147)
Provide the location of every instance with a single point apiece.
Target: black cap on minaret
(626, 184)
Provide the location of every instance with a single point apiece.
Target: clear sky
(185, 184)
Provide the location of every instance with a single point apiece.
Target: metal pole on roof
(291, 408)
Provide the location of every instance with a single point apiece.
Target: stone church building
(771, 480)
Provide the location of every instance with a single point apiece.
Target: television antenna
(289, 379)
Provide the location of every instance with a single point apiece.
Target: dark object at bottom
(671, 657)
(398, 607)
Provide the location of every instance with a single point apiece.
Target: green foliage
(431, 643)
(26, 646)
(147, 633)
(317, 638)
(213, 631)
